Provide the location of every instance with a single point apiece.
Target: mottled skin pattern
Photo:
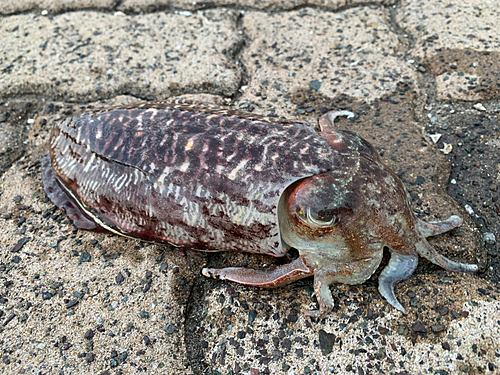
(210, 178)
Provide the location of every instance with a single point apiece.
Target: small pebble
(163, 267)
(119, 278)
(326, 341)
(447, 148)
(383, 330)
(89, 334)
(479, 107)
(444, 311)
(315, 85)
(123, 356)
(489, 238)
(252, 314)
(19, 245)
(46, 296)
(84, 257)
(469, 209)
(420, 180)
(435, 137)
(418, 327)
(437, 328)
(78, 295)
(71, 303)
(170, 328)
(90, 357)
(9, 319)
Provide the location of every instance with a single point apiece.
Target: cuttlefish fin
(62, 200)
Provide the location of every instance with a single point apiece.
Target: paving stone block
(264, 331)
(353, 52)
(458, 41)
(89, 55)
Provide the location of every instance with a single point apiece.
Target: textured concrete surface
(423, 80)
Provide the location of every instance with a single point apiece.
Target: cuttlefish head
(340, 222)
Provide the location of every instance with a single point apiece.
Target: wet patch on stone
(16, 119)
(465, 74)
(474, 137)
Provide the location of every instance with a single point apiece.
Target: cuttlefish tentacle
(281, 275)
(433, 228)
(400, 267)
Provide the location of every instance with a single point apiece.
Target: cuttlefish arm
(433, 228)
(401, 266)
(282, 275)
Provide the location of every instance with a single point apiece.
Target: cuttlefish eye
(324, 218)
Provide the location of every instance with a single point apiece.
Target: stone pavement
(74, 302)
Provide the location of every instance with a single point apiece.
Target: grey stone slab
(263, 331)
(53, 6)
(89, 55)
(458, 42)
(354, 53)
(268, 5)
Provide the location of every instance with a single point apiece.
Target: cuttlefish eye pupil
(326, 215)
(323, 218)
